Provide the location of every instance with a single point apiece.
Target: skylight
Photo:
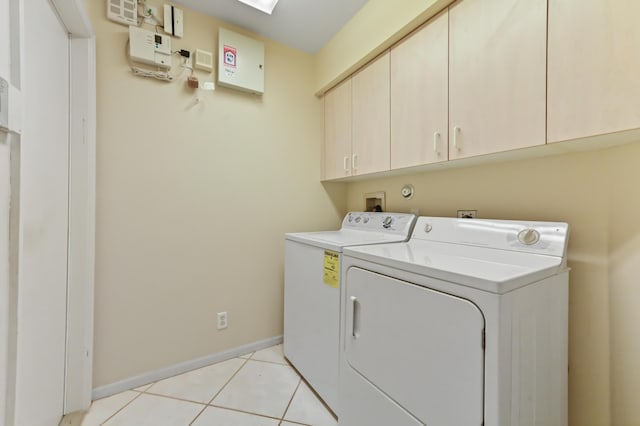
(265, 6)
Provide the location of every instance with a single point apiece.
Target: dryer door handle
(355, 309)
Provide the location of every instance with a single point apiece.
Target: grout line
(121, 408)
(272, 362)
(176, 398)
(237, 410)
(291, 400)
(218, 393)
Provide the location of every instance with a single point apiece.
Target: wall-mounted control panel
(149, 47)
(240, 62)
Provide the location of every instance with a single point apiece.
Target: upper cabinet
(337, 131)
(497, 75)
(419, 96)
(356, 123)
(594, 68)
(370, 117)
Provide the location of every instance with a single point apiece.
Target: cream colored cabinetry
(419, 96)
(337, 131)
(370, 117)
(497, 76)
(594, 68)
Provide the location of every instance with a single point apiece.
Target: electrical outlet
(222, 320)
(467, 214)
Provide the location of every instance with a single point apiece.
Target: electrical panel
(149, 47)
(123, 11)
(240, 62)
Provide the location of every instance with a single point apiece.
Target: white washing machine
(312, 294)
(464, 324)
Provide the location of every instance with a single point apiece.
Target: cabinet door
(420, 96)
(497, 75)
(337, 131)
(594, 68)
(371, 117)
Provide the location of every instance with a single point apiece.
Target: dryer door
(422, 348)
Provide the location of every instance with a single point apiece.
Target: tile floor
(257, 389)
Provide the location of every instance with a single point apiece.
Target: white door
(422, 348)
(44, 183)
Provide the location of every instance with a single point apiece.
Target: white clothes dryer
(464, 324)
(312, 295)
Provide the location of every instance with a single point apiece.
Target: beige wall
(175, 182)
(624, 283)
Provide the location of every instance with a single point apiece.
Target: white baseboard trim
(182, 367)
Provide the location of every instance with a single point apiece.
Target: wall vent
(123, 11)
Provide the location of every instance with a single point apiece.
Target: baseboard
(183, 367)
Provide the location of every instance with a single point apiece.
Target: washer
(464, 324)
(312, 295)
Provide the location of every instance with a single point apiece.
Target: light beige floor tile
(307, 408)
(143, 388)
(261, 388)
(151, 410)
(272, 354)
(214, 416)
(290, 424)
(198, 385)
(245, 356)
(101, 409)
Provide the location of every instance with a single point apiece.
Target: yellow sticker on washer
(331, 268)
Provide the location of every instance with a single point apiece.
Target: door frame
(82, 177)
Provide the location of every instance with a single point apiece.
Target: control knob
(386, 222)
(528, 236)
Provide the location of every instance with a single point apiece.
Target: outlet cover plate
(467, 214)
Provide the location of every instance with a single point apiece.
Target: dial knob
(358, 219)
(350, 218)
(528, 236)
(428, 228)
(386, 222)
(366, 219)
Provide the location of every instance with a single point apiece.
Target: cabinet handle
(436, 135)
(354, 162)
(456, 130)
(345, 164)
(354, 327)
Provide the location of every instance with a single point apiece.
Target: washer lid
(336, 240)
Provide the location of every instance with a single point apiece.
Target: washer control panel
(380, 221)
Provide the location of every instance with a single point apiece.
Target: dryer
(464, 324)
(312, 294)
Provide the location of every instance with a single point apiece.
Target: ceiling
(306, 25)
